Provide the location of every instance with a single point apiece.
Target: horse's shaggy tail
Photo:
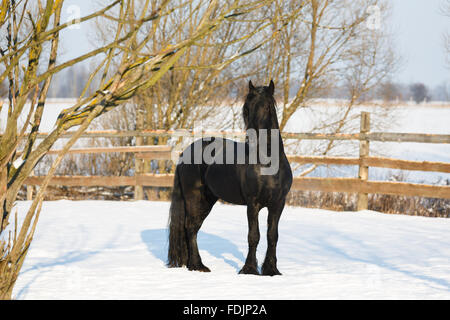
(178, 251)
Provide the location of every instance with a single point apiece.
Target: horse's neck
(280, 141)
(269, 129)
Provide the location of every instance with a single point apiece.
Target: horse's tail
(178, 251)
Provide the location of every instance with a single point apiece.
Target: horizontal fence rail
(162, 152)
(133, 149)
(371, 136)
(350, 185)
(146, 179)
(361, 185)
(380, 162)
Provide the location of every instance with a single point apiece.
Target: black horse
(239, 173)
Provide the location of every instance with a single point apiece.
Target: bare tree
(326, 46)
(389, 91)
(419, 92)
(442, 92)
(198, 86)
(333, 45)
(29, 58)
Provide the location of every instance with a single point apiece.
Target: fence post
(138, 163)
(363, 174)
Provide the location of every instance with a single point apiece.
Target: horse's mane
(273, 113)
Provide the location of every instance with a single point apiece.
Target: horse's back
(220, 167)
(206, 166)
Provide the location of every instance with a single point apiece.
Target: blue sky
(417, 26)
(418, 30)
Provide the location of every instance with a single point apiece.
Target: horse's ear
(250, 86)
(271, 88)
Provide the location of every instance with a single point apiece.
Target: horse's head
(259, 107)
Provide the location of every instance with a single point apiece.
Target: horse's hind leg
(196, 212)
(251, 265)
(269, 266)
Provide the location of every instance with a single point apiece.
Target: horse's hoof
(249, 270)
(200, 268)
(270, 271)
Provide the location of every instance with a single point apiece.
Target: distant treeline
(391, 91)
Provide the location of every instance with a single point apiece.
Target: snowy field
(117, 250)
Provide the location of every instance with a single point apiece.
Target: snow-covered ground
(117, 250)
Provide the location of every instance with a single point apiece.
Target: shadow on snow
(157, 244)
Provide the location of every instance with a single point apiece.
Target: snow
(117, 250)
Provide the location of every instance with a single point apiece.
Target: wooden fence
(360, 185)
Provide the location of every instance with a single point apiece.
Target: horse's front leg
(269, 267)
(251, 265)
